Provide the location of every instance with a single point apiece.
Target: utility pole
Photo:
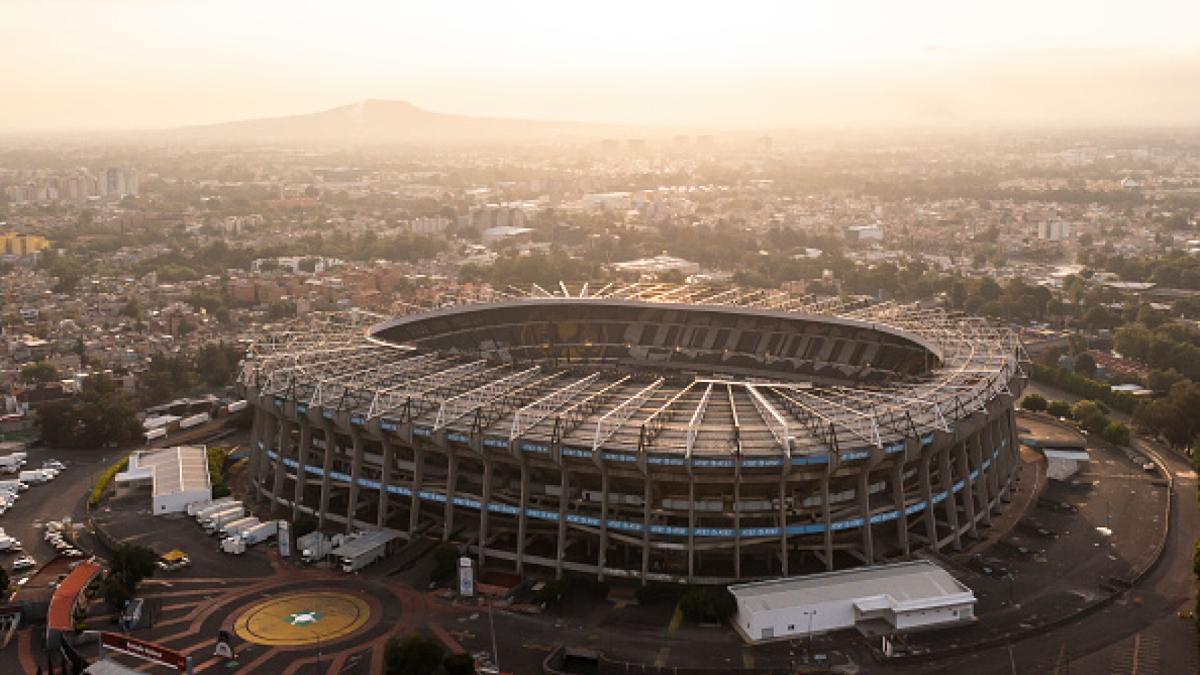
(492, 626)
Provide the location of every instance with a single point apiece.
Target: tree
(1034, 403)
(102, 415)
(1116, 433)
(413, 654)
(459, 664)
(1085, 365)
(1161, 381)
(445, 563)
(132, 562)
(1089, 415)
(42, 371)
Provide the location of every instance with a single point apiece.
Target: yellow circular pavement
(302, 619)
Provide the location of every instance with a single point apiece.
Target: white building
(657, 265)
(175, 477)
(893, 598)
(864, 233)
(1054, 231)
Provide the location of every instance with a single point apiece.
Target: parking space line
(676, 620)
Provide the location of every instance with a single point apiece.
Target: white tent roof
(899, 586)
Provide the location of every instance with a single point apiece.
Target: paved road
(1139, 628)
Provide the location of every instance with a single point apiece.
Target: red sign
(147, 651)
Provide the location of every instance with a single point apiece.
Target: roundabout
(303, 619)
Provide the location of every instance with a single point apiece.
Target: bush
(1116, 433)
(1084, 387)
(445, 563)
(572, 587)
(1034, 403)
(459, 664)
(413, 654)
(116, 593)
(1196, 558)
(707, 603)
(216, 465)
(1059, 408)
(652, 594)
(105, 478)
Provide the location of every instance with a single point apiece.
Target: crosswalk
(1141, 656)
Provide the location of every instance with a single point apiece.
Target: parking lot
(63, 497)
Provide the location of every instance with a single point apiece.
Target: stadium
(649, 431)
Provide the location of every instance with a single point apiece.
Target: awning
(62, 605)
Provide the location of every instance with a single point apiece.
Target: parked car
(24, 563)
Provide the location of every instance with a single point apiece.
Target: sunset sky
(156, 63)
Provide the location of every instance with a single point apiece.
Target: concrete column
(522, 518)
(783, 535)
(326, 466)
(270, 437)
(646, 500)
(564, 488)
(483, 509)
(451, 489)
(897, 480)
(827, 517)
(256, 454)
(355, 473)
(389, 457)
(948, 485)
(602, 554)
(303, 456)
(982, 479)
(418, 484)
(864, 509)
(691, 539)
(283, 450)
(968, 491)
(927, 494)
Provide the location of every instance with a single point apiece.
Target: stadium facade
(652, 431)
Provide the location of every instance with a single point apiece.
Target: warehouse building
(174, 477)
(879, 599)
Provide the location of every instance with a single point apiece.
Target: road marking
(1137, 647)
(621, 604)
(676, 619)
(660, 659)
(747, 659)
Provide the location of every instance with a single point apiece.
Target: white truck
(233, 545)
(13, 486)
(219, 519)
(261, 532)
(214, 508)
(357, 552)
(314, 546)
(194, 420)
(196, 507)
(236, 527)
(33, 477)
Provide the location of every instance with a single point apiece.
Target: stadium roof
(344, 364)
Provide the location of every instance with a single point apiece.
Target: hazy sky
(70, 64)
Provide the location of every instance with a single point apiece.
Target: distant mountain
(381, 121)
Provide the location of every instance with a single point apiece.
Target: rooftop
(899, 585)
(173, 470)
